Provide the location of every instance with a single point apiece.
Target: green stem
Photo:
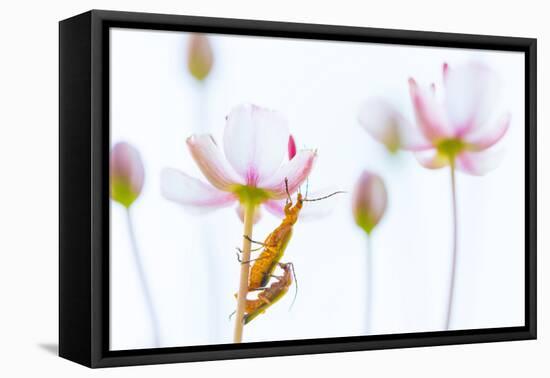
(455, 249)
(143, 280)
(369, 289)
(210, 256)
(243, 281)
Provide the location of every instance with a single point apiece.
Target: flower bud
(384, 123)
(291, 147)
(200, 57)
(391, 137)
(127, 173)
(369, 201)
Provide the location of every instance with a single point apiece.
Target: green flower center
(250, 195)
(451, 147)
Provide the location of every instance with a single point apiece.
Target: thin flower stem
(212, 285)
(243, 282)
(202, 95)
(143, 280)
(212, 304)
(369, 290)
(455, 249)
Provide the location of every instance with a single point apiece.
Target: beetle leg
(251, 250)
(264, 299)
(254, 241)
(258, 289)
(248, 261)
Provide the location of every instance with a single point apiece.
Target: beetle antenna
(324, 197)
(288, 199)
(295, 283)
(231, 315)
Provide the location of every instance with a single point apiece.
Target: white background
(28, 200)
(318, 86)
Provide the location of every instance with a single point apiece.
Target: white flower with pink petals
(455, 127)
(251, 169)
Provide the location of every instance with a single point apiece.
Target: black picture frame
(84, 188)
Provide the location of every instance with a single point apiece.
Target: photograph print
(273, 189)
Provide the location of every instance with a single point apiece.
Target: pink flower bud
(127, 173)
(291, 147)
(200, 57)
(369, 201)
(391, 137)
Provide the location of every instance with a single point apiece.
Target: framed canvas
(236, 188)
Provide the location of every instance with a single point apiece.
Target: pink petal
(296, 171)
(291, 147)
(484, 139)
(479, 163)
(209, 158)
(240, 212)
(471, 92)
(388, 126)
(430, 115)
(190, 192)
(445, 71)
(255, 142)
(275, 207)
(431, 159)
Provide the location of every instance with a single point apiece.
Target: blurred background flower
(369, 203)
(456, 128)
(460, 128)
(200, 57)
(380, 119)
(127, 177)
(127, 173)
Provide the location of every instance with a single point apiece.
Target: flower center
(451, 147)
(250, 195)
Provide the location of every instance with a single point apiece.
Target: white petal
(190, 192)
(471, 91)
(387, 125)
(479, 163)
(295, 171)
(211, 162)
(431, 116)
(431, 159)
(484, 138)
(255, 142)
